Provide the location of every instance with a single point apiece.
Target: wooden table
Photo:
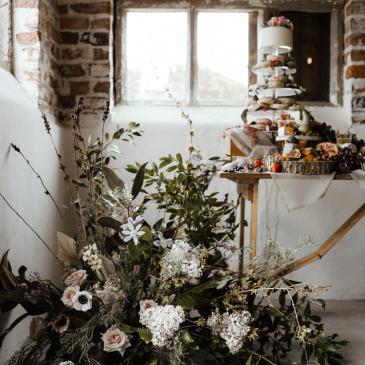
(248, 189)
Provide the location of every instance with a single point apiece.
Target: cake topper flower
(280, 21)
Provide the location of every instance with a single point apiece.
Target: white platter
(270, 71)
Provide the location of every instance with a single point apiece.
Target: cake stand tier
(274, 71)
(299, 138)
(277, 93)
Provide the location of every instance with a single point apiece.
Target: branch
(324, 248)
(30, 227)
(47, 192)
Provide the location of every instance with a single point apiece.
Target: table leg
(253, 226)
(242, 235)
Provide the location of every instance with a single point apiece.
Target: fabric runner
(359, 177)
(299, 191)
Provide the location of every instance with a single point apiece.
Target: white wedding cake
(276, 39)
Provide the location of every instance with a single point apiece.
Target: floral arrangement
(139, 292)
(280, 21)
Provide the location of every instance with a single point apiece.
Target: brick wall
(62, 51)
(354, 97)
(35, 51)
(85, 64)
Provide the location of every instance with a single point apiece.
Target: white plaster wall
(343, 268)
(21, 123)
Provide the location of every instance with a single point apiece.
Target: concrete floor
(347, 318)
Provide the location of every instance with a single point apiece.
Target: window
(200, 56)
(311, 52)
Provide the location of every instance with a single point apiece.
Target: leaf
(249, 361)
(109, 222)
(145, 334)
(205, 286)
(138, 181)
(186, 337)
(186, 301)
(113, 180)
(7, 279)
(147, 234)
(107, 266)
(66, 248)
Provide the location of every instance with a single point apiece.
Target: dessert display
(304, 145)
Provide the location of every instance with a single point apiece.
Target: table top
(250, 176)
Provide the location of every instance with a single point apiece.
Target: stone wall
(354, 98)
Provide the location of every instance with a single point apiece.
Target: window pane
(156, 56)
(222, 57)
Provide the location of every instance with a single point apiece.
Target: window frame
(192, 9)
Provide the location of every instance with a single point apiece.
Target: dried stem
(47, 192)
(30, 227)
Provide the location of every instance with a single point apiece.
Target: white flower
(66, 363)
(132, 230)
(82, 301)
(181, 259)
(115, 340)
(76, 278)
(231, 327)
(68, 295)
(163, 242)
(91, 257)
(163, 321)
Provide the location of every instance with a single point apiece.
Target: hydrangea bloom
(181, 260)
(163, 321)
(232, 327)
(90, 256)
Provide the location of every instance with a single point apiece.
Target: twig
(30, 227)
(47, 192)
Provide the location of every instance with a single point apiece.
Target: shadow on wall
(21, 124)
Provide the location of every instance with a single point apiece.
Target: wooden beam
(324, 248)
(242, 236)
(253, 225)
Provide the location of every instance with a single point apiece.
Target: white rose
(115, 340)
(76, 278)
(66, 363)
(68, 295)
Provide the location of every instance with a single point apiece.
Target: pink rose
(76, 278)
(60, 324)
(68, 294)
(115, 340)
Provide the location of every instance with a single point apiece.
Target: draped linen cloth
(299, 191)
(359, 177)
(254, 146)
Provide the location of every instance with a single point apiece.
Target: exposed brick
(79, 87)
(103, 23)
(32, 75)
(67, 101)
(72, 71)
(356, 25)
(99, 70)
(355, 40)
(27, 39)
(26, 3)
(63, 9)
(81, 53)
(355, 7)
(93, 8)
(358, 102)
(96, 39)
(355, 72)
(68, 38)
(102, 87)
(94, 103)
(358, 55)
(101, 54)
(74, 23)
